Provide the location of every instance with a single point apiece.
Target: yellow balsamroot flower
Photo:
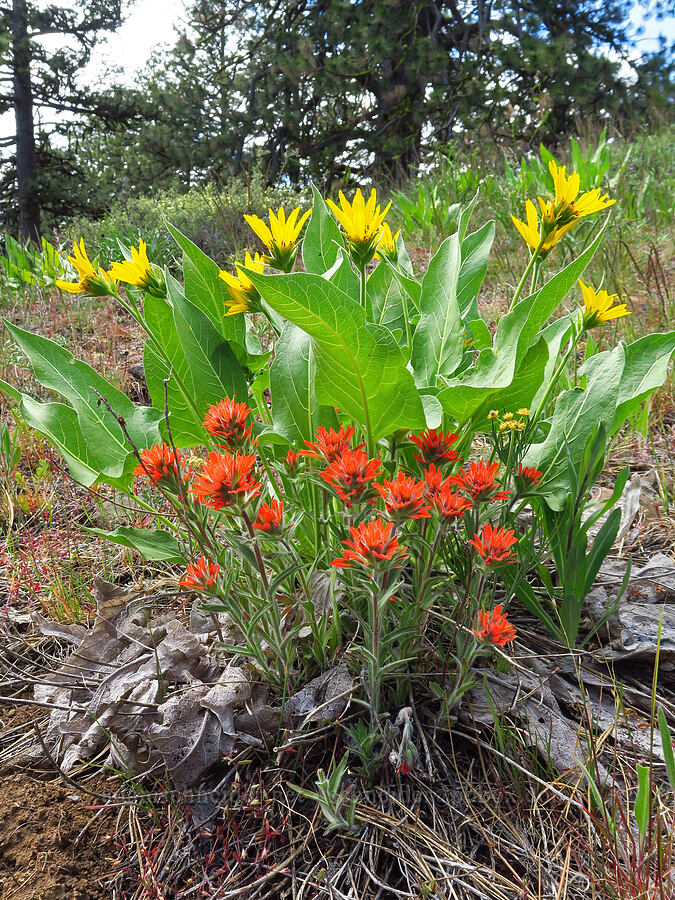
(598, 306)
(386, 245)
(561, 213)
(361, 222)
(566, 194)
(244, 297)
(531, 231)
(95, 283)
(139, 272)
(280, 236)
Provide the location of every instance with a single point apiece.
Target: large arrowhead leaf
(57, 370)
(206, 289)
(496, 368)
(359, 366)
(164, 361)
(59, 424)
(475, 254)
(646, 369)
(386, 298)
(439, 336)
(322, 244)
(295, 409)
(153, 545)
(213, 366)
(576, 415)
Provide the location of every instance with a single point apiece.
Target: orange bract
(493, 545)
(372, 544)
(330, 444)
(528, 474)
(200, 575)
(227, 422)
(225, 481)
(494, 627)
(404, 498)
(479, 481)
(270, 516)
(351, 474)
(448, 504)
(160, 463)
(435, 446)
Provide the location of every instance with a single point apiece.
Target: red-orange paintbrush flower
(291, 459)
(435, 446)
(494, 628)
(404, 498)
(433, 479)
(351, 475)
(226, 481)
(448, 504)
(527, 477)
(200, 576)
(479, 482)
(160, 463)
(227, 422)
(493, 545)
(270, 516)
(330, 444)
(373, 544)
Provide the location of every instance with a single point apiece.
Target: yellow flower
(493, 414)
(523, 411)
(139, 272)
(361, 223)
(507, 417)
(281, 235)
(532, 233)
(561, 213)
(386, 246)
(598, 306)
(503, 426)
(95, 283)
(566, 194)
(244, 296)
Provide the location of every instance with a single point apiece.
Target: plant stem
(256, 549)
(556, 375)
(528, 269)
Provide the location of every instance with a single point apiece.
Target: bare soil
(51, 848)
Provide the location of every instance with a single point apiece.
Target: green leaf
(170, 365)
(667, 743)
(79, 384)
(359, 367)
(603, 543)
(215, 371)
(439, 336)
(205, 288)
(295, 409)
(322, 238)
(386, 298)
(322, 245)
(521, 392)
(646, 369)
(475, 254)
(158, 546)
(642, 800)
(496, 368)
(59, 424)
(576, 415)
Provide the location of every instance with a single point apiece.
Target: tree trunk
(26, 160)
